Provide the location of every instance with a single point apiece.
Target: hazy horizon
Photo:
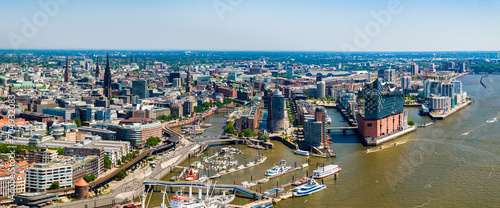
(239, 25)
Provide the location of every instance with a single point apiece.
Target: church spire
(97, 72)
(107, 78)
(66, 73)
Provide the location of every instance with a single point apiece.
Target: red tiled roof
(81, 182)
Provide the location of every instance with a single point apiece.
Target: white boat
(276, 170)
(328, 120)
(241, 167)
(266, 179)
(186, 202)
(309, 188)
(222, 199)
(203, 178)
(246, 184)
(301, 152)
(324, 171)
(492, 120)
(250, 164)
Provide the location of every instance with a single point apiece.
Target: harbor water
(454, 162)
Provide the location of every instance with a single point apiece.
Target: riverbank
(451, 112)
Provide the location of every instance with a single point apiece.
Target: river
(455, 162)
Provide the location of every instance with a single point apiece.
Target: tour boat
(301, 181)
(324, 171)
(492, 120)
(192, 174)
(276, 170)
(309, 188)
(301, 152)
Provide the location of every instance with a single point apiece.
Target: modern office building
(140, 88)
(188, 106)
(177, 82)
(5, 182)
(203, 80)
(414, 69)
(448, 90)
(320, 89)
(406, 83)
(440, 103)
(97, 167)
(66, 114)
(383, 110)
(457, 86)
(276, 112)
(42, 175)
(34, 199)
(176, 110)
(314, 128)
(138, 130)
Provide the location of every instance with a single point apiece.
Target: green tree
(121, 175)
(265, 137)
(119, 162)
(54, 185)
(89, 178)
(230, 129)
(240, 134)
(410, 122)
(107, 162)
(174, 115)
(247, 133)
(78, 122)
(153, 141)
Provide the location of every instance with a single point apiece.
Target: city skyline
(252, 25)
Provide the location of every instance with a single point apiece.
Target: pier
(199, 185)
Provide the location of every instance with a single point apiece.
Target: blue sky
(272, 25)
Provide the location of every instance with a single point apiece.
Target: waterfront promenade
(452, 111)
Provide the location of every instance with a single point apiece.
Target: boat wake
(492, 120)
(376, 149)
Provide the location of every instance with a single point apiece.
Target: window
(369, 125)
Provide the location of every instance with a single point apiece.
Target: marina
(345, 145)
